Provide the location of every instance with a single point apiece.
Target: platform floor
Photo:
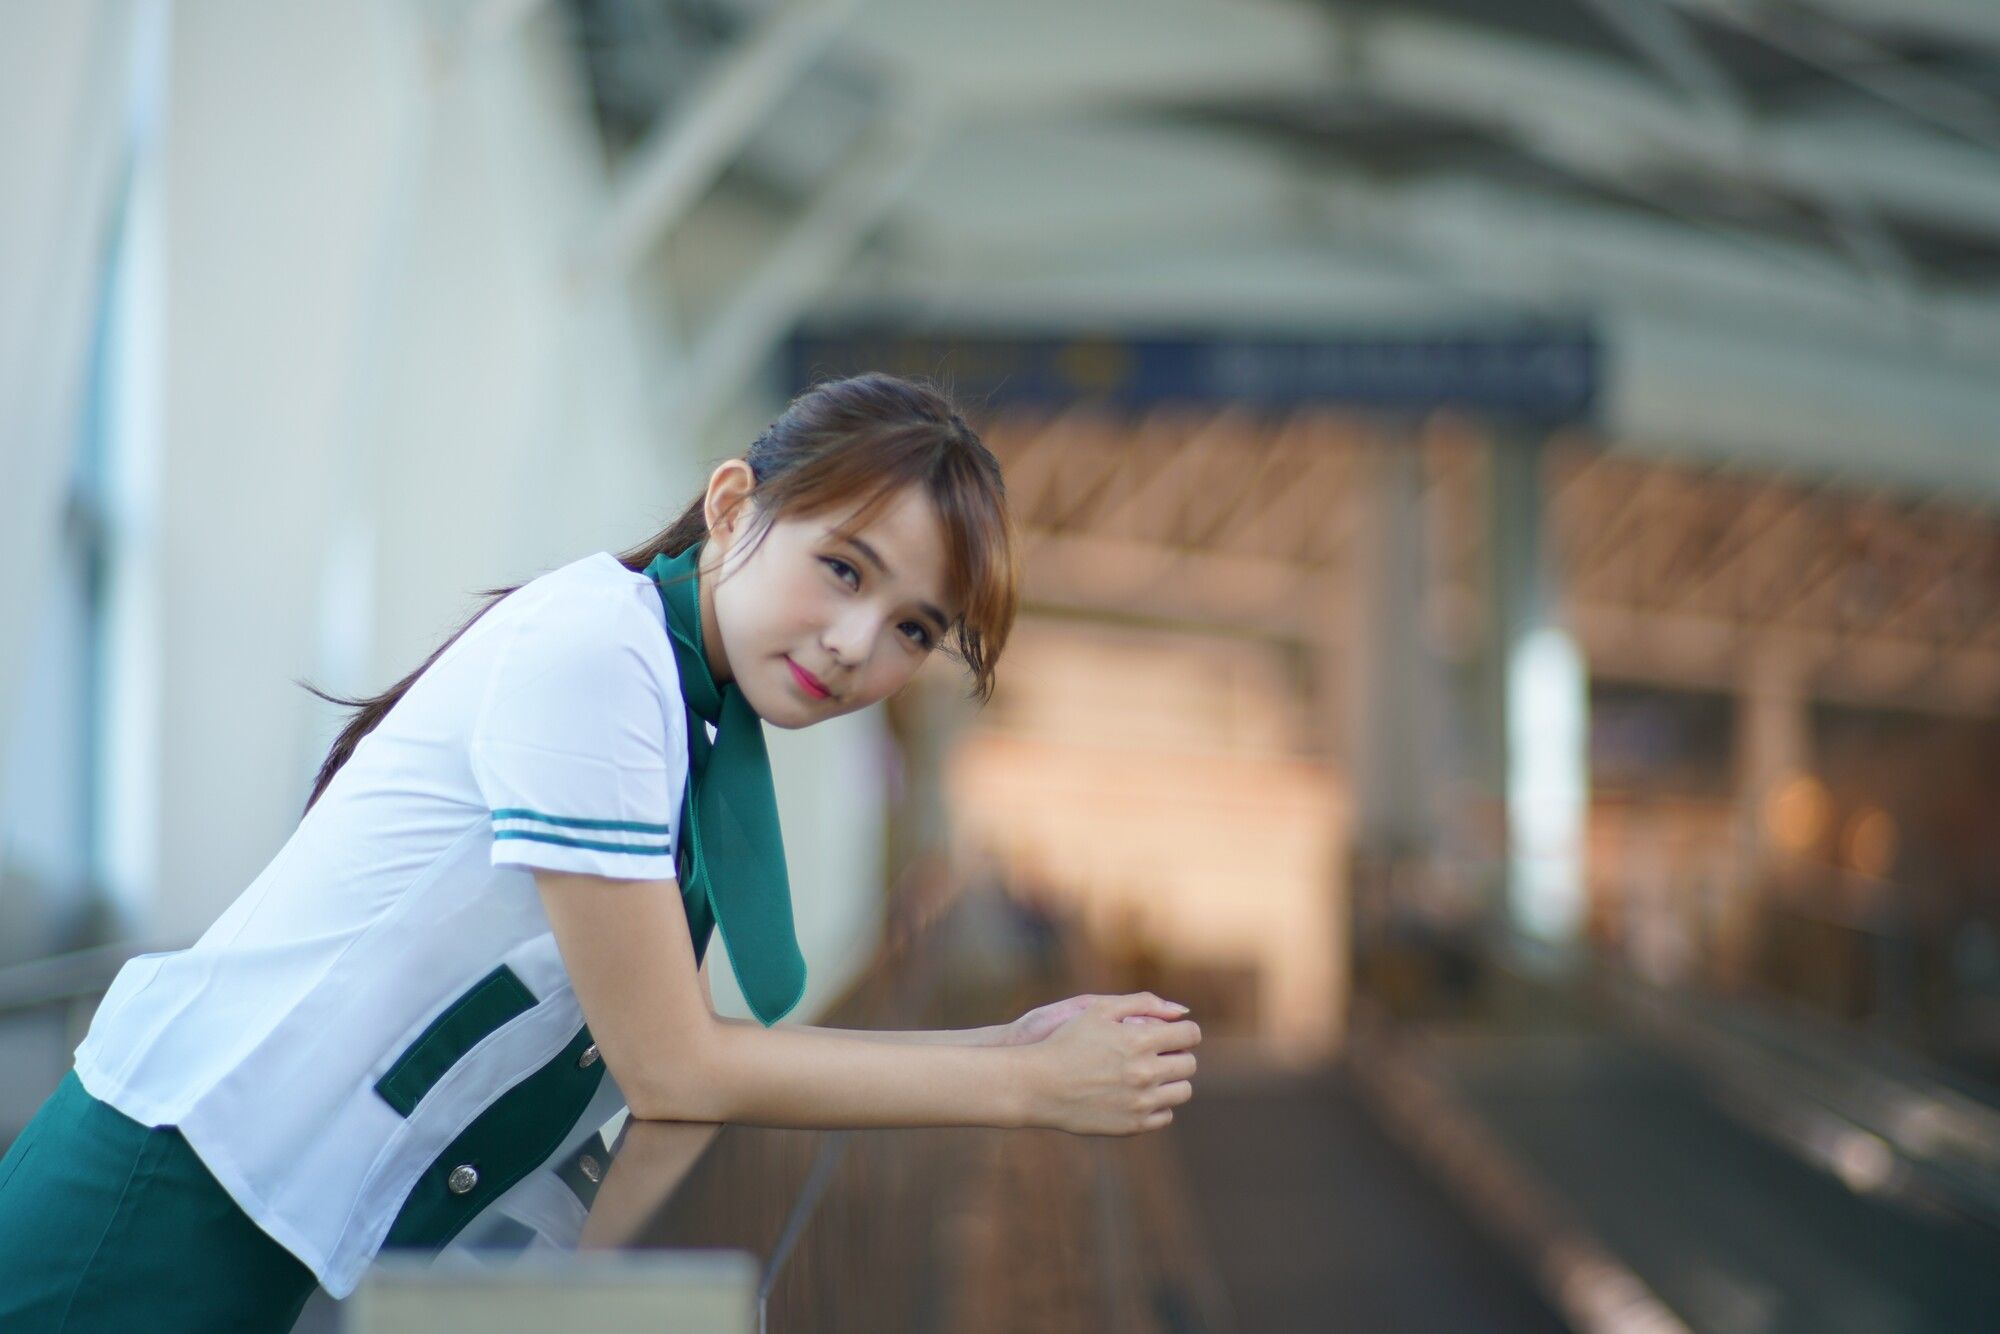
(1317, 1221)
(1733, 1233)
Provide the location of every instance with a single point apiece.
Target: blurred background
(1511, 501)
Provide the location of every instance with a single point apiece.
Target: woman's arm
(992, 1035)
(625, 944)
(934, 1037)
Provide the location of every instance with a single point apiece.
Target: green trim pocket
(502, 1144)
(489, 1003)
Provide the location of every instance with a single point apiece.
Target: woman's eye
(842, 569)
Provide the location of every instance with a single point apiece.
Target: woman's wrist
(1022, 1091)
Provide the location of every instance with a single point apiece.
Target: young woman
(484, 936)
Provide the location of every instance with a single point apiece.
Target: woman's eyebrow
(875, 559)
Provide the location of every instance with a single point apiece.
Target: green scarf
(733, 863)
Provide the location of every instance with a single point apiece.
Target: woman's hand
(1043, 1020)
(1113, 1067)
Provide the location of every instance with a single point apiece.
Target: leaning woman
(485, 935)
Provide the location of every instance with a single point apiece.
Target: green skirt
(109, 1225)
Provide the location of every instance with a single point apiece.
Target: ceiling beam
(1976, 21)
(691, 145)
(1586, 110)
(1662, 36)
(1369, 250)
(811, 254)
(1553, 99)
(1863, 63)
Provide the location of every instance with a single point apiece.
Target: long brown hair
(863, 438)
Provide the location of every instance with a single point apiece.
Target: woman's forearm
(792, 1075)
(953, 1037)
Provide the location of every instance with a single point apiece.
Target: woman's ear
(724, 506)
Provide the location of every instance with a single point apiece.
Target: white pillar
(1543, 709)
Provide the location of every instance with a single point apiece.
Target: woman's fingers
(1173, 1093)
(1177, 1036)
(1141, 1002)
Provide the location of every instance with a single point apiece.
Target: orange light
(1869, 842)
(1796, 813)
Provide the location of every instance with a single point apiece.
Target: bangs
(982, 570)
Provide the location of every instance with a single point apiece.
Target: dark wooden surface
(1318, 1221)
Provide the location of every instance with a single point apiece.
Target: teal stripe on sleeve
(560, 840)
(573, 822)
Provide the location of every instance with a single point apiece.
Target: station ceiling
(1783, 216)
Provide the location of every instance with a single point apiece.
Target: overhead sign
(1541, 374)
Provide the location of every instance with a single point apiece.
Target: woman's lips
(807, 681)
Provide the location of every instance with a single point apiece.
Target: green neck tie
(729, 813)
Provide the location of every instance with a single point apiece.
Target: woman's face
(857, 615)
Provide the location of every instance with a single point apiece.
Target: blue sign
(1539, 374)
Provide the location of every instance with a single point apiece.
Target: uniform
(378, 1040)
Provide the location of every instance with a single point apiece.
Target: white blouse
(329, 1037)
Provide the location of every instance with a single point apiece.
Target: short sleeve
(578, 747)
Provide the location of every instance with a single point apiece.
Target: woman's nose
(846, 640)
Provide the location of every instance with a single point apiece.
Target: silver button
(590, 1168)
(462, 1179)
(589, 1057)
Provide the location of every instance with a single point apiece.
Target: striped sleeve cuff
(626, 849)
